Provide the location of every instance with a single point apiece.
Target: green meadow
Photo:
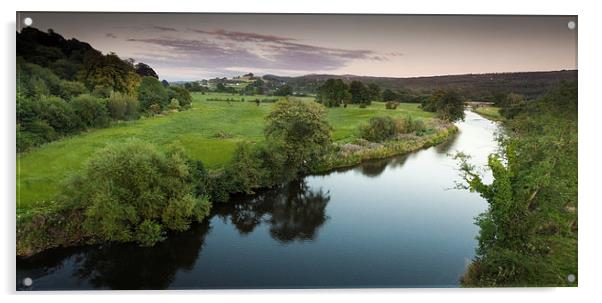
(209, 132)
(490, 112)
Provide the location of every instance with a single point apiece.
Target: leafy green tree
(389, 95)
(333, 93)
(243, 170)
(359, 93)
(108, 71)
(145, 71)
(131, 191)
(448, 105)
(152, 92)
(220, 88)
(302, 129)
(374, 92)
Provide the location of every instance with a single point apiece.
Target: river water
(389, 223)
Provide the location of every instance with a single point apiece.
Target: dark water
(389, 223)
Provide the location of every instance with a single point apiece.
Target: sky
(200, 46)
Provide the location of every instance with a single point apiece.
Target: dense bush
(150, 92)
(181, 94)
(391, 105)
(378, 129)
(174, 105)
(92, 111)
(243, 172)
(128, 184)
(122, 107)
(411, 125)
(59, 114)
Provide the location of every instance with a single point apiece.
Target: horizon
(190, 47)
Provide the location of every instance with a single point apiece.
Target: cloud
(242, 36)
(224, 50)
(111, 35)
(165, 29)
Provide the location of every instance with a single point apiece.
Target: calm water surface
(389, 223)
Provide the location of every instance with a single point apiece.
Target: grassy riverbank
(208, 132)
(489, 112)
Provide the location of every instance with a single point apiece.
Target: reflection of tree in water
(293, 212)
(375, 168)
(127, 266)
(444, 148)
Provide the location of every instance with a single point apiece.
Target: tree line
(66, 86)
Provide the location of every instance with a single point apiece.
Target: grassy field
(208, 132)
(490, 112)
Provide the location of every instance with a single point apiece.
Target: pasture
(209, 132)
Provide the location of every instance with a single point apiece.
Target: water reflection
(294, 212)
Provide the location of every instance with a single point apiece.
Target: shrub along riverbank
(135, 191)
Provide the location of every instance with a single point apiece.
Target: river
(388, 223)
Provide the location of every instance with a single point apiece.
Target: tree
(333, 93)
(389, 95)
(448, 105)
(108, 71)
(220, 88)
(145, 71)
(150, 92)
(301, 128)
(284, 90)
(374, 92)
(359, 93)
(130, 190)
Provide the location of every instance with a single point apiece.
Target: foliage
(92, 111)
(302, 128)
(378, 129)
(284, 90)
(181, 94)
(108, 71)
(391, 104)
(149, 232)
(145, 71)
(389, 95)
(333, 93)
(126, 184)
(359, 93)
(150, 92)
(448, 105)
(122, 107)
(532, 198)
(174, 105)
(243, 172)
(374, 92)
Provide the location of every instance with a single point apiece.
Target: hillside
(473, 86)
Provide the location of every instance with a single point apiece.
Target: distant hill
(473, 86)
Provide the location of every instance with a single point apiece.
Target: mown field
(208, 132)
